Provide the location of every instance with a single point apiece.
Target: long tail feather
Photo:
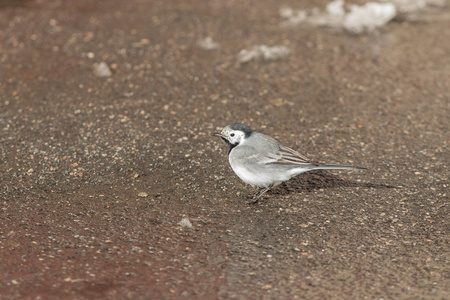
(342, 167)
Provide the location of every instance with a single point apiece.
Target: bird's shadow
(320, 179)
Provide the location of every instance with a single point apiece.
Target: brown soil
(96, 173)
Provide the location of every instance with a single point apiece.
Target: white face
(235, 137)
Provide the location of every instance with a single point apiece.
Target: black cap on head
(242, 127)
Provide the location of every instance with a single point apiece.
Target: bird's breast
(250, 174)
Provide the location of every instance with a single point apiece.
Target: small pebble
(207, 44)
(185, 223)
(102, 70)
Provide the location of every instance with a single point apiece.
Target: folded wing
(287, 156)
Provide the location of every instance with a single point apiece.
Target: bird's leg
(254, 195)
(259, 194)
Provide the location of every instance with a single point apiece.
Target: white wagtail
(262, 161)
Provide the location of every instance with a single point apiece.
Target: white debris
(286, 12)
(208, 44)
(185, 223)
(355, 18)
(102, 70)
(369, 16)
(265, 52)
(245, 55)
(336, 8)
(332, 17)
(358, 19)
(292, 17)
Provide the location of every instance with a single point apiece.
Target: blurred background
(106, 111)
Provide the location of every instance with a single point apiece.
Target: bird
(261, 161)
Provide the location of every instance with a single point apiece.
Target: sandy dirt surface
(97, 172)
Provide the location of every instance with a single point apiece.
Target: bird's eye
(232, 134)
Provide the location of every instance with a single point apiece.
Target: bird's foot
(252, 201)
(255, 197)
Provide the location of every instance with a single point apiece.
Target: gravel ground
(106, 111)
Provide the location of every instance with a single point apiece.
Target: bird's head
(234, 134)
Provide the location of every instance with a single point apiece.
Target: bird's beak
(216, 134)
